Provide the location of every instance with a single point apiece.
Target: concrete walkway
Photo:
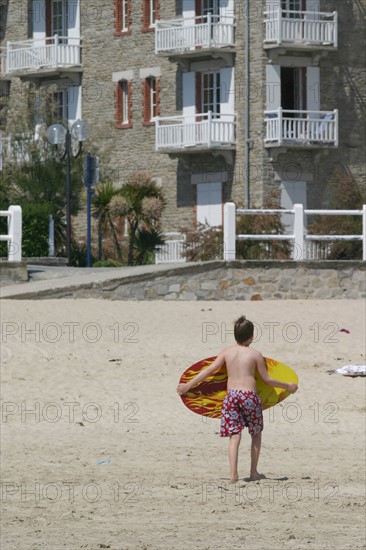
(48, 278)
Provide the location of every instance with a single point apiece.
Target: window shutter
(48, 20)
(198, 77)
(118, 103)
(198, 7)
(117, 17)
(146, 111)
(145, 10)
(157, 90)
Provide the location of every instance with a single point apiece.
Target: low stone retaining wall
(13, 272)
(250, 280)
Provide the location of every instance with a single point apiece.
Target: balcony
(42, 57)
(302, 129)
(189, 134)
(194, 36)
(300, 29)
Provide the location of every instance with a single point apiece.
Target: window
(290, 6)
(293, 89)
(122, 17)
(123, 104)
(57, 18)
(60, 105)
(150, 13)
(211, 93)
(150, 100)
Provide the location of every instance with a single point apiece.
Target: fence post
(51, 236)
(229, 231)
(299, 252)
(15, 234)
(364, 233)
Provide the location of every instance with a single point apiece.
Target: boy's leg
(233, 456)
(255, 451)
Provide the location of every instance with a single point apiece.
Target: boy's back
(241, 363)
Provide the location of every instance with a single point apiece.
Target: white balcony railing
(202, 33)
(202, 132)
(301, 28)
(49, 54)
(301, 128)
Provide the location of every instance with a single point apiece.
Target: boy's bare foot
(256, 477)
(234, 480)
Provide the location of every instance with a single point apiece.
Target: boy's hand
(182, 388)
(292, 388)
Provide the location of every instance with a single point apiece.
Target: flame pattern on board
(206, 398)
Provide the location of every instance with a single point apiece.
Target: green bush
(35, 229)
(107, 263)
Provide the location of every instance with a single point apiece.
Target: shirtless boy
(241, 407)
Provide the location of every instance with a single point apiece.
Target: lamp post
(58, 135)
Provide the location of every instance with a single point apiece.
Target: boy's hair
(243, 329)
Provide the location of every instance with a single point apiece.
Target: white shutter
(313, 6)
(292, 192)
(313, 90)
(39, 19)
(273, 87)
(74, 104)
(209, 203)
(227, 92)
(188, 12)
(73, 23)
(189, 96)
(227, 12)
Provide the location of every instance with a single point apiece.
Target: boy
(241, 407)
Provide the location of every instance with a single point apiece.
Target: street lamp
(58, 135)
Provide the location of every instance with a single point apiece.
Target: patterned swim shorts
(241, 409)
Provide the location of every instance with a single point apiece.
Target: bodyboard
(206, 398)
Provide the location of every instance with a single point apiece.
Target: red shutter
(145, 10)
(157, 8)
(146, 108)
(118, 103)
(117, 17)
(198, 8)
(48, 15)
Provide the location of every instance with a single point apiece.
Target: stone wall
(252, 280)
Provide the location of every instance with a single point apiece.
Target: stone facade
(123, 150)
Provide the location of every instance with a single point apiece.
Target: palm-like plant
(104, 194)
(141, 202)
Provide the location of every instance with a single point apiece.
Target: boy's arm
(261, 366)
(219, 361)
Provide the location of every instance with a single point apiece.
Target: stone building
(218, 99)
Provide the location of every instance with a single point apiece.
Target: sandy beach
(98, 450)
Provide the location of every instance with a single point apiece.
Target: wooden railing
(204, 32)
(305, 128)
(205, 130)
(304, 28)
(46, 53)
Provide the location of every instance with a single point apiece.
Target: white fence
(285, 127)
(206, 130)
(14, 235)
(172, 250)
(305, 28)
(298, 237)
(46, 53)
(182, 35)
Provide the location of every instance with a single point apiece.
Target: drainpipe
(247, 109)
